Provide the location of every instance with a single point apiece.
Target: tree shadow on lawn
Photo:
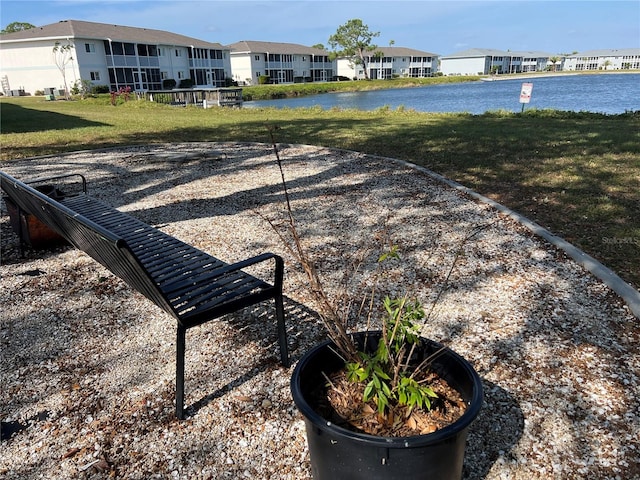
(24, 120)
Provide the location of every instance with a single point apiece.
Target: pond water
(605, 93)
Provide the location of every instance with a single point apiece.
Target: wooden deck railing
(201, 97)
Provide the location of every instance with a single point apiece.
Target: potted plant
(29, 229)
(384, 402)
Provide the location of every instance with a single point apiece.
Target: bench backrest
(101, 244)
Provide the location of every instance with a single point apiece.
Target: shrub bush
(98, 89)
(169, 83)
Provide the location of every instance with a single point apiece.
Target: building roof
(488, 52)
(529, 54)
(251, 46)
(102, 31)
(403, 52)
(478, 52)
(608, 52)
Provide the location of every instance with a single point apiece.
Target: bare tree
(62, 56)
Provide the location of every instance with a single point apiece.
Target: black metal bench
(187, 283)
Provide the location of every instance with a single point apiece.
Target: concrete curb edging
(630, 295)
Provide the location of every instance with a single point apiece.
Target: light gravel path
(87, 365)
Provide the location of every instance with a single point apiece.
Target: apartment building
(606, 59)
(280, 62)
(532, 61)
(145, 59)
(484, 61)
(390, 62)
(481, 61)
(112, 55)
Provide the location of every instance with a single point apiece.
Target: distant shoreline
(515, 76)
(282, 91)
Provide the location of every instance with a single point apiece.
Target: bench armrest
(83, 180)
(252, 261)
(279, 262)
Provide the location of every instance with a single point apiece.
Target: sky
(440, 27)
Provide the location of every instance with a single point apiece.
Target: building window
(161, 52)
(180, 74)
(215, 54)
(147, 50)
(117, 48)
(95, 76)
(89, 48)
(178, 53)
(280, 76)
(257, 57)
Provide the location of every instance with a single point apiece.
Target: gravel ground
(87, 365)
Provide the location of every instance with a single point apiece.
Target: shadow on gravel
(11, 427)
(494, 433)
(303, 332)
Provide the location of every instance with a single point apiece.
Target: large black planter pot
(337, 453)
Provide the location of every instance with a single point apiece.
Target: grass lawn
(578, 174)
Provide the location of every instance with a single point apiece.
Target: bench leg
(282, 331)
(282, 328)
(20, 232)
(180, 346)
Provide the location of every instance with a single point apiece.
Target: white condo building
(281, 62)
(111, 55)
(390, 62)
(606, 59)
(144, 59)
(484, 61)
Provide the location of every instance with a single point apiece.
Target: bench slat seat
(190, 273)
(191, 285)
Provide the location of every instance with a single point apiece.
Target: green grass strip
(577, 174)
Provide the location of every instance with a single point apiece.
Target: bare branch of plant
(390, 372)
